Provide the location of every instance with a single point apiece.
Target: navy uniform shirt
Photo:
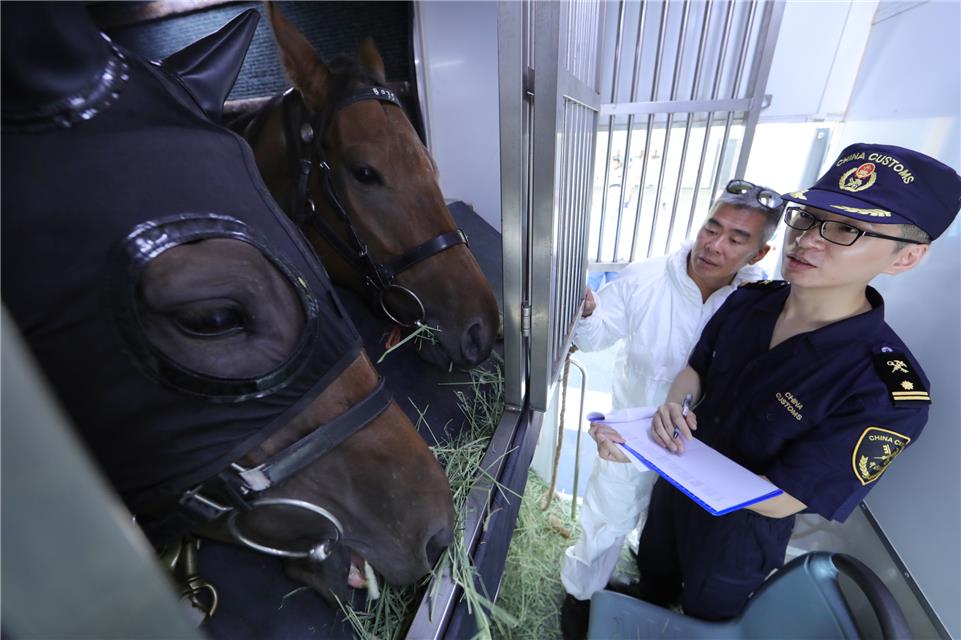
(823, 413)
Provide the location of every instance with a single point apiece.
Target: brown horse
(186, 327)
(345, 163)
(197, 303)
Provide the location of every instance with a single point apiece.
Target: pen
(684, 409)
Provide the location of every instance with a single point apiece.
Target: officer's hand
(607, 440)
(663, 425)
(589, 304)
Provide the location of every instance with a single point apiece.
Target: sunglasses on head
(765, 197)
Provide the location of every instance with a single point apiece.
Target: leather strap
(423, 251)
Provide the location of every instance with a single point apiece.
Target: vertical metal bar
(514, 178)
(760, 69)
(678, 62)
(548, 114)
(601, 30)
(610, 126)
(570, 193)
(592, 40)
(715, 91)
(626, 164)
(574, 220)
(687, 126)
(650, 126)
(581, 38)
(742, 58)
(577, 447)
(560, 229)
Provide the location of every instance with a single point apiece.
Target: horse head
(226, 309)
(341, 156)
(186, 327)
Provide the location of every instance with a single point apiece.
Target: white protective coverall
(656, 309)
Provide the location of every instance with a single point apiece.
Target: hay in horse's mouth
(361, 575)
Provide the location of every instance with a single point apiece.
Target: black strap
(233, 489)
(305, 152)
(289, 461)
(421, 252)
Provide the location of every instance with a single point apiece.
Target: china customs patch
(875, 450)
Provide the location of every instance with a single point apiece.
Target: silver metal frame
(566, 108)
(512, 72)
(759, 23)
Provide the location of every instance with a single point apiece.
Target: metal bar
(433, 614)
(674, 106)
(573, 220)
(564, 222)
(577, 91)
(678, 62)
(592, 39)
(760, 69)
(513, 205)
(742, 58)
(610, 125)
(596, 267)
(625, 165)
(577, 447)
(600, 31)
(650, 126)
(715, 90)
(687, 126)
(548, 115)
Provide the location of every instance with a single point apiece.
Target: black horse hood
(91, 199)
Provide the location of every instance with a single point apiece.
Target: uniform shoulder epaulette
(764, 284)
(902, 381)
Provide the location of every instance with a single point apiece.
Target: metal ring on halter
(317, 553)
(413, 296)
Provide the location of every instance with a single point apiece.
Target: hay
(423, 334)
(391, 615)
(531, 588)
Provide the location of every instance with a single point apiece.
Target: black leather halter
(304, 134)
(237, 489)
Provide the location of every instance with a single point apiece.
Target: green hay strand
(531, 588)
(390, 616)
(423, 333)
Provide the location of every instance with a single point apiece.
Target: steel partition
(566, 104)
(700, 62)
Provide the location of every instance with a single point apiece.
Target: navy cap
(887, 185)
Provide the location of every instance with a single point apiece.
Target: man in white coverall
(658, 308)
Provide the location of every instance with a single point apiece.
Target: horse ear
(303, 67)
(371, 61)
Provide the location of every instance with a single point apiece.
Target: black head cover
(109, 164)
(208, 68)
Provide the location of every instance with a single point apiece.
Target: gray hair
(749, 200)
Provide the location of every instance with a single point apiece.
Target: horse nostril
(438, 542)
(475, 343)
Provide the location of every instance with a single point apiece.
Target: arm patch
(903, 383)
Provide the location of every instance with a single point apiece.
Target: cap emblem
(858, 179)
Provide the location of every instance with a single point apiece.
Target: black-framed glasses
(834, 231)
(765, 197)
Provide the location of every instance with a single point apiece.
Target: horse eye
(211, 323)
(365, 174)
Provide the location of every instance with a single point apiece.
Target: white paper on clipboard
(711, 479)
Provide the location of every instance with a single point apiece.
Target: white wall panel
(908, 93)
(459, 74)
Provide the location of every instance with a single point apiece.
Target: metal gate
(697, 78)
(549, 108)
